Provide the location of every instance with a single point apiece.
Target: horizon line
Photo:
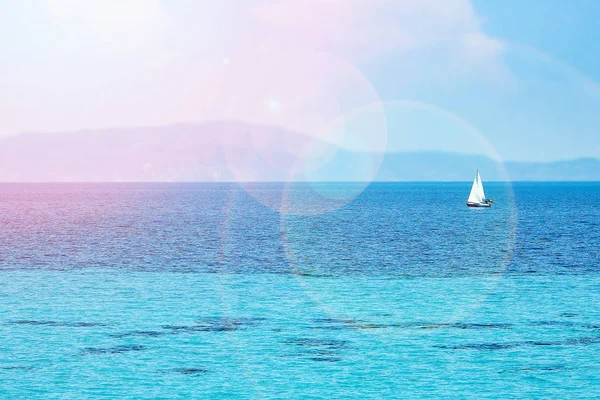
(291, 182)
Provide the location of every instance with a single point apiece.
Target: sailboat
(477, 196)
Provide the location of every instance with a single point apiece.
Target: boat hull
(478, 204)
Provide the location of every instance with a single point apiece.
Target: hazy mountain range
(195, 152)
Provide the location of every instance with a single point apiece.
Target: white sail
(474, 196)
(480, 185)
(477, 195)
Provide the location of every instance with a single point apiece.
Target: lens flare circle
(315, 118)
(342, 252)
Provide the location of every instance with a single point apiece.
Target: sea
(299, 290)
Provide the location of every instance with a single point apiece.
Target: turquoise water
(201, 291)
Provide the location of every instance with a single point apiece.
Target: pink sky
(69, 64)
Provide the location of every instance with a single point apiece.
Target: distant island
(194, 153)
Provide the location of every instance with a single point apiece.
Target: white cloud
(114, 23)
(100, 63)
(358, 28)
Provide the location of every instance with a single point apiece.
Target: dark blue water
(204, 291)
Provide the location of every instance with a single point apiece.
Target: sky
(509, 79)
